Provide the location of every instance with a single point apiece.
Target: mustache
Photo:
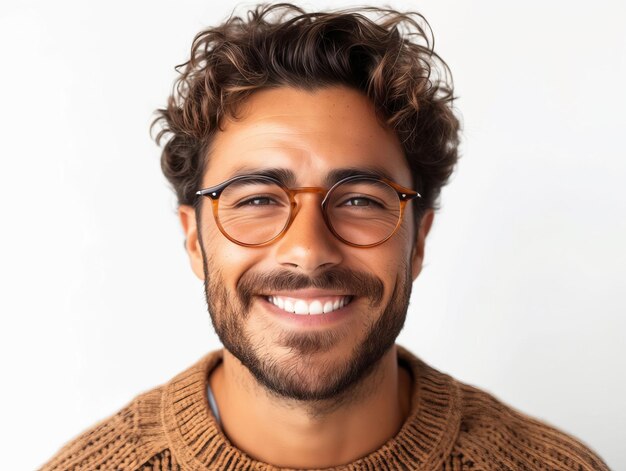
(354, 282)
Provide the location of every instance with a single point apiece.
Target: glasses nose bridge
(293, 192)
(307, 189)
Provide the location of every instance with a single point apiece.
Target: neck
(299, 434)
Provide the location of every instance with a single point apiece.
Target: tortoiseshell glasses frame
(404, 195)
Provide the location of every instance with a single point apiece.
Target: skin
(310, 133)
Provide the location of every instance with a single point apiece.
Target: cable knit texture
(452, 427)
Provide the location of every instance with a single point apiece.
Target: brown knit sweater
(452, 426)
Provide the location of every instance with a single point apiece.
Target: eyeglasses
(360, 210)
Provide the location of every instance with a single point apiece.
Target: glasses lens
(253, 210)
(363, 211)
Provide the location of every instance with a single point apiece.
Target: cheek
(398, 249)
(388, 262)
(394, 273)
(397, 260)
(231, 259)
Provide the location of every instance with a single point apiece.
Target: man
(307, 152)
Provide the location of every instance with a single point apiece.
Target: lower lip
(308, 320)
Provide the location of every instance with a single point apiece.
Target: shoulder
(485, 433)
(494, 435)
(137, 436)
(122, 441)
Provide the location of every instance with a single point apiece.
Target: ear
(417, 257)
(187, 215)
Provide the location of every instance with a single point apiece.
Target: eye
(258, 201)
(358, 202)
(361, 202)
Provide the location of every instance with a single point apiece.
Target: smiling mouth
(311, 307)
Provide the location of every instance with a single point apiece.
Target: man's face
(306, 356)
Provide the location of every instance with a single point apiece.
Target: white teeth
(288, 306)
(315, 308)
(302, 307)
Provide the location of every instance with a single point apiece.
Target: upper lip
(305, 293)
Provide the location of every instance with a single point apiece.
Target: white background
(523, 289)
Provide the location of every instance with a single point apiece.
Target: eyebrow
(283, 175)
(288, 177)
(371, 171)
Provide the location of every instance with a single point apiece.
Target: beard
(298, 373)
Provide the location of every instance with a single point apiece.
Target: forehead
(309, 133)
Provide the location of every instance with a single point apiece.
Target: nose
(308, 245)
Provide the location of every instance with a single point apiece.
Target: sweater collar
(423, 442)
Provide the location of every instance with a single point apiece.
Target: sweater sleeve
(110, 444)
(495, 436)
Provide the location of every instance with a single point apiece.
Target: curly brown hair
(389, 58)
